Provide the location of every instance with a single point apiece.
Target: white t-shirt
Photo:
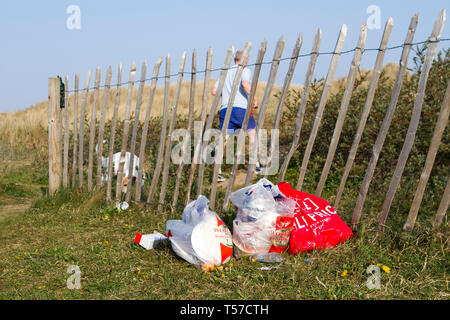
(241, 99)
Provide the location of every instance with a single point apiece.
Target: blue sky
(36, 43)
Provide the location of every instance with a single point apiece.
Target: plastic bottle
(122, 206)
(270, 257)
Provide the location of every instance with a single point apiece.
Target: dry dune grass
(27, 128)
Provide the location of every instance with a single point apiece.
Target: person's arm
(247, 87)
(214, 89)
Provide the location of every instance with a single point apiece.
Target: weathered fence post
(443, 207)
(415, 117)
(75, 132)
(303, 102)
(66, 133)
(81, 140)
(429, 162)
(60, 130)
(101, 127)
(162, 138)
(92, 128)
(260, 122)
(235, 88)
(343, 110)
(112, 136)
(189, 127)
(322, 104)
(284, 92)
(366, 110)
(135, 129)
(126, 129)
(197, 157)
(173, 120)
(386, 123)
(54, 151)
(142, 157)
(212, 113)
(243, 131)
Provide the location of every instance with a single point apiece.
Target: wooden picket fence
(59, 131)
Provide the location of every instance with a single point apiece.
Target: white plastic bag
(264, 219)
(200, 237)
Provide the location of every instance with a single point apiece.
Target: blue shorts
(236, 119)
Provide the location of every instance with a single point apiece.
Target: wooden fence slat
(112, 136)
(101, 126)
(243, 131)
(142, 158)
(386, 122)
(75, 132)
(234, 89)
(125, 132)
(429, 162)
(82, 122)
(212, 114)
(366, 110)
(190, 120)
(66, 133)
(253, 154)
(322, 103)
(54, 151)
(59, 124)
(162, 139)
(92, 128)
(284, 92)
(415, 117)
(303, 102)
(197, 148)
(162, 194)
(343, 110)
(135, 129)
(443, 207)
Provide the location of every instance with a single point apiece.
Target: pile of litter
(271, 219)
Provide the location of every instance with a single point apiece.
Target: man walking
(239, 106)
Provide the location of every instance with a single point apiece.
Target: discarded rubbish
(122, 206)
(269, 268)
(201, 237)
(317, 225)
(150, 241)
(264, 219)
(270, 257)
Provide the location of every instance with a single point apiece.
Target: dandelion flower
(39, 288)
(106, 217)
(18, 257)
(222, 276)
(220, 268)
(106, 242)
(386, 269)
(344, 273)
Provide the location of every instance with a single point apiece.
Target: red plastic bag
(317, 225)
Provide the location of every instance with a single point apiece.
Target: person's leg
(251, 131)
(230, 131)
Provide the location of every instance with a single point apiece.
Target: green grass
(82, 229)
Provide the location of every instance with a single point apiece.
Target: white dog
(126, 169)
